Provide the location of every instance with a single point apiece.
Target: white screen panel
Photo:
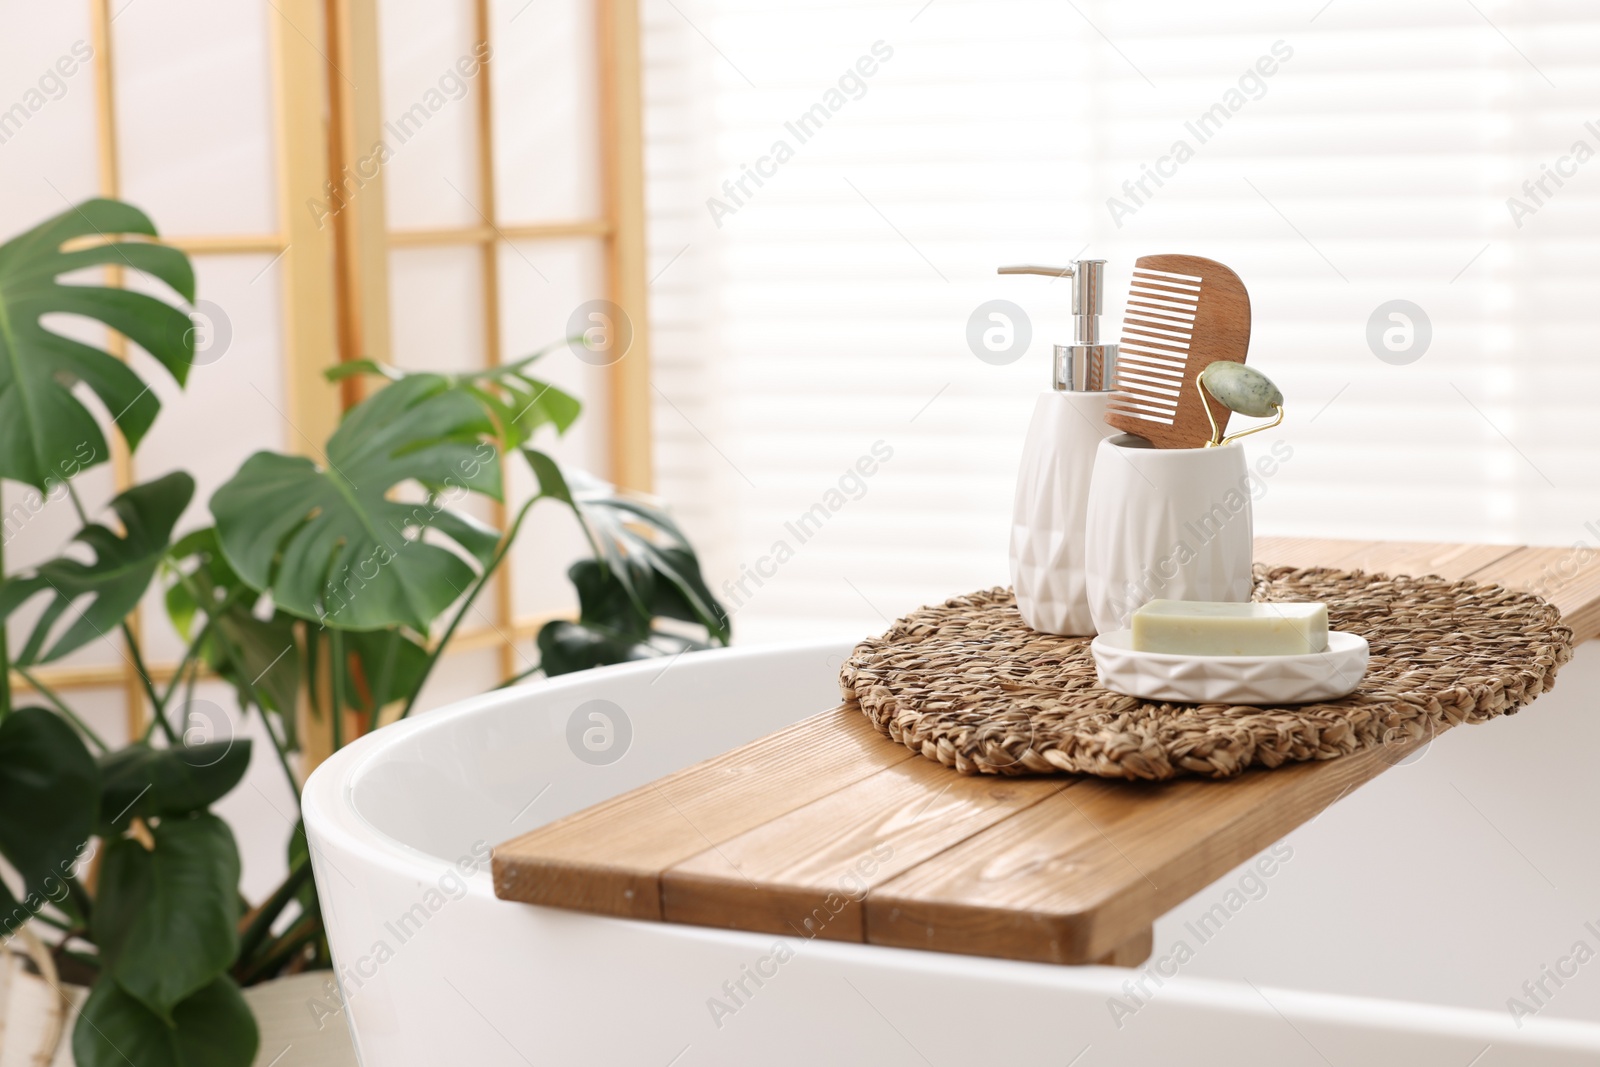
(547, 132)
(232, 406)
(194, 108)
(430, 75)
(47, 117)
(436, 307)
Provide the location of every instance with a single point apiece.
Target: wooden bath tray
(827, 829)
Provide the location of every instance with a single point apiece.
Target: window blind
(1353, 162)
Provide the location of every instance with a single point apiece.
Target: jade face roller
(1240, 388)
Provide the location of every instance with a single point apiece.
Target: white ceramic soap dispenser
(1047, 525)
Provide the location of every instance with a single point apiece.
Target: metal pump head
(1086, 365)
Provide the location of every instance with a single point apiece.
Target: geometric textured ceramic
(1247, 680)
(1048, 568)
(1165, 524)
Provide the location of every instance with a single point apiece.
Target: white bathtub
(1395, 932)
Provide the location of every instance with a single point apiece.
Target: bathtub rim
(333, 821)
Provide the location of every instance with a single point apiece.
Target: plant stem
(379, 686)
(282, 749)
(336, 673)
(149, 687)
(5, 650)
(60, 705)
(193, 671)
(48, 920)
(260, 921)
(127, 635)
(500, 553)
(294, 939)
(188, 689)
(314, 668)
(516, 365)
(92, 963)
(225, 646)
(189, 654)
(82, 903)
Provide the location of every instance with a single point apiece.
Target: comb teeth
(1157, 327)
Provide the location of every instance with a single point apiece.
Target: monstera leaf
(166, 916)
(141, 782)
(213, 1027)
(114, 582)
(48, 797)
(330, 543)
(46, 432)
(518, 403)
(640, 546)
(610, 628)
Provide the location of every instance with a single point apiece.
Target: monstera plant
(322, 591)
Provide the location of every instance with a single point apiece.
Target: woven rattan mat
(967, 683)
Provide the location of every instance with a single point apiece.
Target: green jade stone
(1241, 388)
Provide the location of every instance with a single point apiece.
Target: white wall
(829, 310)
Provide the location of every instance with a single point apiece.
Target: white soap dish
(1230, 679)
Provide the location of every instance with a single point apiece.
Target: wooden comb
(1183, 312)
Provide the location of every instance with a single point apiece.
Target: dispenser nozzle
(1087, 363)
(1048, 272)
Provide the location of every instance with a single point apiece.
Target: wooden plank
(488, 208)
(1133, 846)
(622, 178)
(351, 209)
(807, 872)
(609, 858)
(861, 844)
(1567, 577)
(462, 235)
(1448, 560)
(1304, 551)
(311, 406)
(222, 244)
(310, 335)
(122, 468)
(108, 155)
(1077, 876)
(1452, 561)
(359, 221)
(1132, 952)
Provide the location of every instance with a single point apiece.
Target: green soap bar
(1207, 628)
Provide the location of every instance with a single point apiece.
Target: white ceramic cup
(1165, 523)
